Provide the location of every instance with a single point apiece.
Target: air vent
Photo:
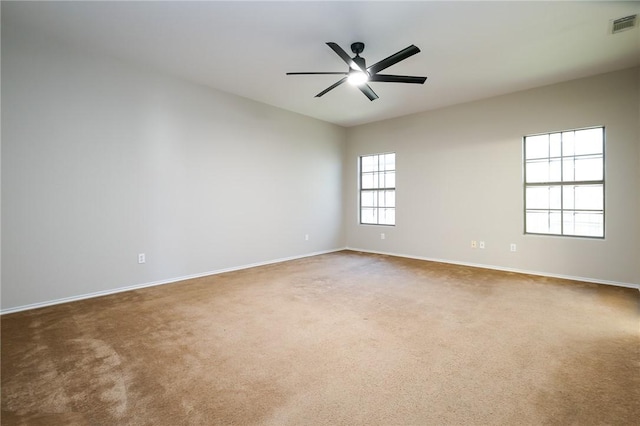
(622, 24)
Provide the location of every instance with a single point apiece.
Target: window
(564, 183)
(378, 189)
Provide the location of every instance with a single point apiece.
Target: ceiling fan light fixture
(357, 78)
(359, 74)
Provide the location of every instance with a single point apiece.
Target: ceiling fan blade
(308, 73)
(333, 86)
(368, 92)
(397, 78)
(345, 57)
(393, 59)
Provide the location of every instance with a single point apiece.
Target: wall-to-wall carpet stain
(342, 338)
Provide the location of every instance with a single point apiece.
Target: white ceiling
(469, 50)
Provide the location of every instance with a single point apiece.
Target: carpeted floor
(343, 338)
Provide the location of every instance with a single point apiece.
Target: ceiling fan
(359, 74)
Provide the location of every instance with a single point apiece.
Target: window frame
(361, 190)
(562, 184)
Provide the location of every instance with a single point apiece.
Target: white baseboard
(501, 268)
(285, 259)
(156, 283)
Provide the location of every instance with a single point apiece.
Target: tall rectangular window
(378, 189)
(564, 183)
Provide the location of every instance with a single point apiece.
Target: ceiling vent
(622, 24)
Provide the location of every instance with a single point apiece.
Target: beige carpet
(343, 338)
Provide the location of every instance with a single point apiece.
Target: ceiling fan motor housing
(357, 47)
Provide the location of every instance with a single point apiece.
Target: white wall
(102, 161)
(459, 179)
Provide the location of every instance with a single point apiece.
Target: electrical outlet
(481, 244)
(141, 258)
(306, 237)
(382, 236)
(513, 247)
(474, 244)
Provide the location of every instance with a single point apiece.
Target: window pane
(543, 171)
(555, 145)
(555, 171)
(389, 161)
(369, 163)
(536, 146)
(537, 171)
(588, 141)
(589, 197)
(555, 197)
(583, 197)
(543, 222)
(567, 143)
(569, 197)
(582, 168)
(589, 168)
(389, 180)
(369, 199)
(537, 222)
(555, 225)
(387, 198)
(568, 169)
(543, 197)
(585, 224)
(590, 224)
(537, 197)
(369, 215)
(387, 216)
(369, 180)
